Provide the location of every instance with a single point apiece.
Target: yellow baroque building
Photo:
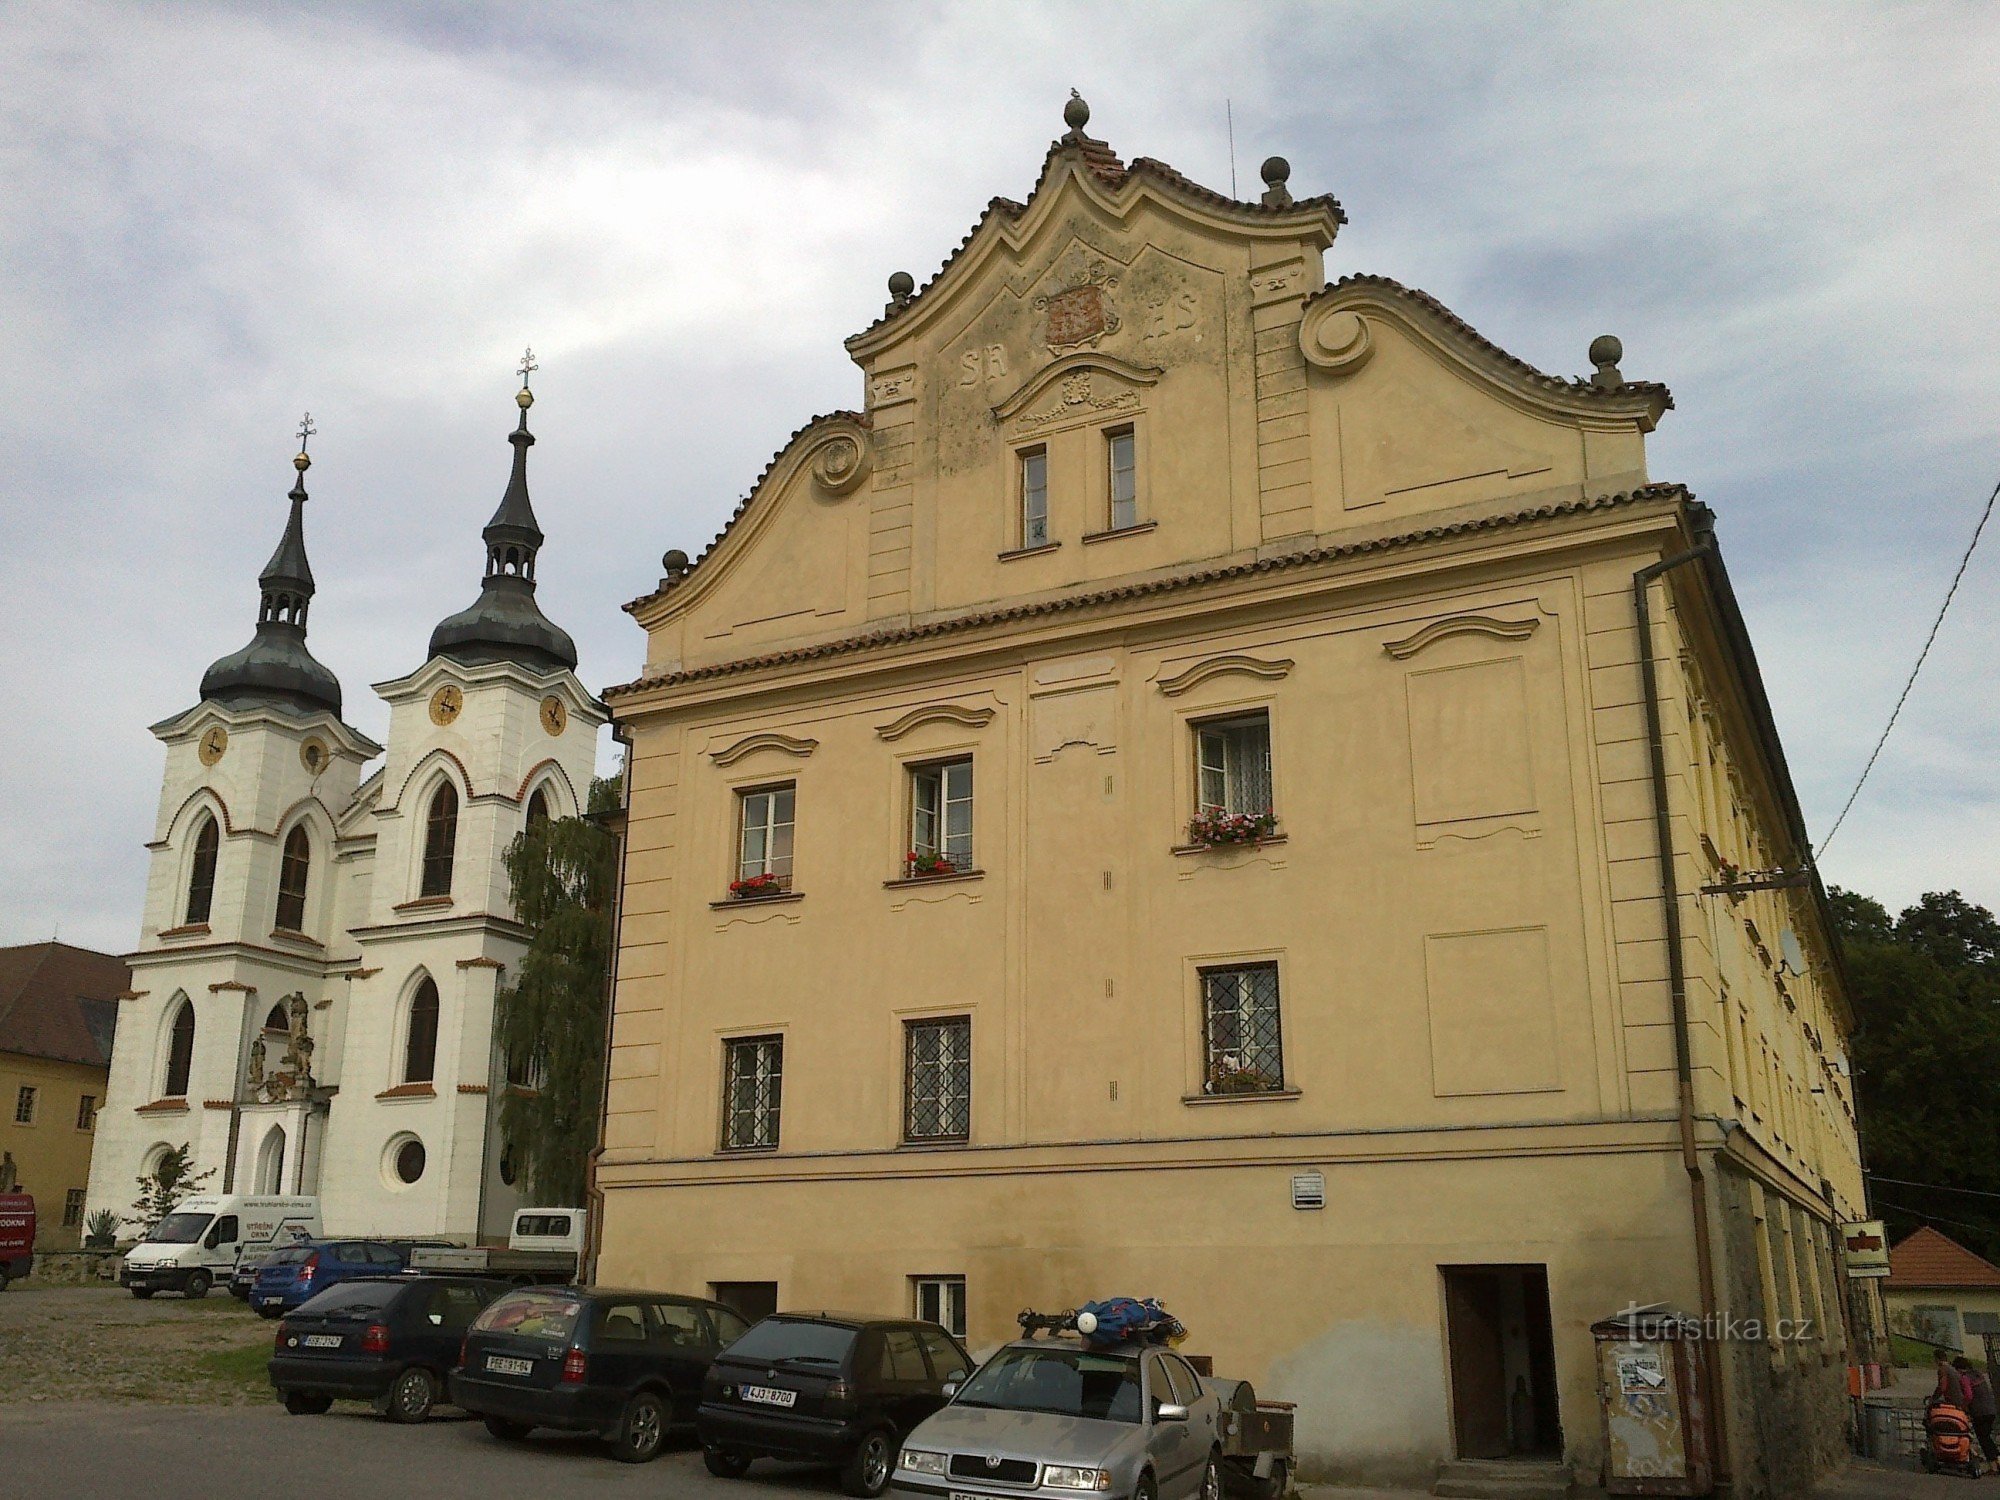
(1160, 801)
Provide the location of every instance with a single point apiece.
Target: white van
(199, 1243)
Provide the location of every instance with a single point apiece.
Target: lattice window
(294, 867)
(201, 875)
(1240, 1018)
(752, 1089)
(24, 1106)
(937, 1079)
(72, 1208)
(440, 841)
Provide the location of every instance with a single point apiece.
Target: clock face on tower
(446, 702)
(214, 740)
(555, 714)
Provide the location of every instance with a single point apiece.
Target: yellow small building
(58, 1011)
(1939, 1293)
(1161, 801)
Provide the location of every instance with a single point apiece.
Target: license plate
(321, 1341)
(771, 1396)
(962, 1495)
(501, 1365)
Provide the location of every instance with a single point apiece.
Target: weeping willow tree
(549, 1024)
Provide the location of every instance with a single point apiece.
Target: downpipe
(1670, 909)
(593, 1194)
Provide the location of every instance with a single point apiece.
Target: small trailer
(1257, 1441)
(545, 1247)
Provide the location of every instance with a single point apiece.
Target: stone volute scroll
(1335, 339)
(841, 457)
(770, 739)
(935, 713)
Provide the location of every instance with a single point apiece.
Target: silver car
(1054, 1418)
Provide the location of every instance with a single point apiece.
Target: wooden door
(1478, 1365)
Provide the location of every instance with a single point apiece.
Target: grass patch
(244, 1369)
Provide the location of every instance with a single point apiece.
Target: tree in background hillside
(550, 1024)
(1926, 991)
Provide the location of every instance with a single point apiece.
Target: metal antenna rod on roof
(1229, 115)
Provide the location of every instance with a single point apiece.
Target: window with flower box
(752, 1092)
(940, 819)
(1233, 780)
(764, 842)
(1243, 1050)
(937, 1079)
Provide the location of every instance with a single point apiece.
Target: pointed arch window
(180, 1052)
(293, 870)
(538, 808)
(420, 1042)
(201, 877)
(440, 841)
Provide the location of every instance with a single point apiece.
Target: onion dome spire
(505, 623)
(276, 669)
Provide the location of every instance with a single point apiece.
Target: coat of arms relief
(1080, 311)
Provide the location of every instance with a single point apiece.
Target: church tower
(492, 731)
(241, 912)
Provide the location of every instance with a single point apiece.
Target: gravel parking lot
(101, 1343)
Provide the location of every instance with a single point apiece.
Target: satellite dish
(1794, 956)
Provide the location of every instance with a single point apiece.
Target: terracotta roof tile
(1928, 1258)
(1061, 604)
(60, 1002)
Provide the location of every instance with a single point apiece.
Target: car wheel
(641, 1430)
(198, 1285)
(506, 1431)
(3, 1278)
(411, 1397)
(306, 1404)
(723, 1463)
(868, 1467)
(1145, 1489)
(262, 1312)
(1211, 1479)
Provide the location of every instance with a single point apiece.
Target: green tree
(550, 1024)
(161, 1190)
(1926, 991)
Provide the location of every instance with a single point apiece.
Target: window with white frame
(1035, 498)
(941, 818)
(1121, 449)
(764, 841)
(1243, 1042)
(937, 1079)
(752, 1091)
(1233, 766)
(73, 1208)
(941, 1300)
(24, 1105)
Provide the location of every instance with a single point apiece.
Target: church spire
(504, 622)
(276, 669)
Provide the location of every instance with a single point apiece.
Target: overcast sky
(213, 217)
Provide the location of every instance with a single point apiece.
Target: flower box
(1224, 1078)
(917, 866)
(1214, 826)
(750, 887)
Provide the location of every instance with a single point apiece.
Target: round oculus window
(409, 1161)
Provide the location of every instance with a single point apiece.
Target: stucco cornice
(1145, 588)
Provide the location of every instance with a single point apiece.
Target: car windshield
(532, 1315)
(797, 1341)
(179, 1229)
(1063, 1382)
(353, 1299)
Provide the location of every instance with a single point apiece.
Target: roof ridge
(1064, 603)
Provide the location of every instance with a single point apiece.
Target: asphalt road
(103, 1449)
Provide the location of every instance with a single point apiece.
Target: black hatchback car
(826, 1387)
(623, 1365)
(390, 1341)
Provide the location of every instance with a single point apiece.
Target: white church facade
(328, 920)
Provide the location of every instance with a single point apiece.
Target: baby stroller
(1948, 1441)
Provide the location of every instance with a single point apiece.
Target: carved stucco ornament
(842, 459)
(1234, 663)
(1336, 340)
(935, 713)
(1437, 630)
(750, 744)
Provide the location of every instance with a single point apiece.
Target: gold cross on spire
(306, 430)
(527, 367)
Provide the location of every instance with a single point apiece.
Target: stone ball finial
(1605, 352)
(1076, 113)
(674, 562)
(901, 285)
(1276, 171)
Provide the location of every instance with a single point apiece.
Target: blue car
(296, 1274)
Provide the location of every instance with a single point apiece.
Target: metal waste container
(1653, 1392)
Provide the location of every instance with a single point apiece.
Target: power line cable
(1933, 1186)
(1903, 697)
(1931, 1218)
